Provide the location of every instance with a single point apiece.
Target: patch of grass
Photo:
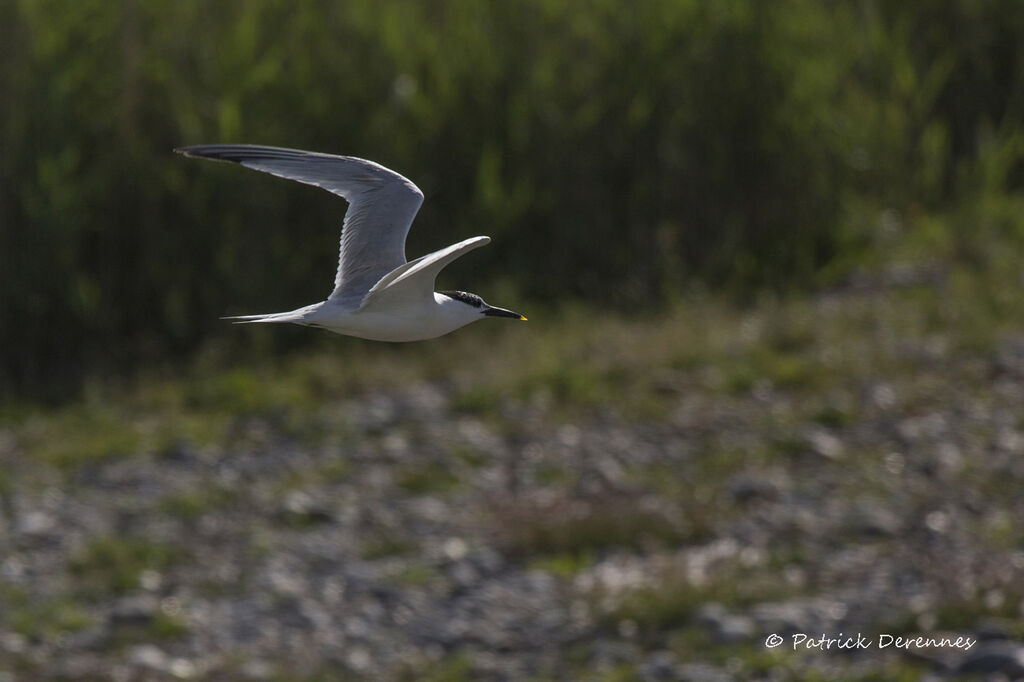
(426, 479)
(456, 667)
(783, 370)
(81, 435)
(740, 378)
(758, 662)
(476, 400)
(686, 360)
(563, 526)
(242, 391)
(186, 506)
(788, 447)
(791, 371)
(177, 431)
(791, 334)
(583, 362)
(46, 619)
(330, 674)
(50, 619)
(574, 384)
(190, 505)
(832, 416)
(675, 600)
(112, 565)
(167, 626)
(334, 470)
(471, 457)
(387, 545)
(414, 575)
(563, 565)
(963, 614)
(622, 672)
(669, 606)
(1001, 532)
(550, 473)
(160, 627)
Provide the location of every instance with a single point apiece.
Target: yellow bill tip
(523, 318)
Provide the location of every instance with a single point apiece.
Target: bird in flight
(377, 294)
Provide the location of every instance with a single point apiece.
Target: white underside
(396, 325)
(425, 320)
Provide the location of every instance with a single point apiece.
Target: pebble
(274, 576)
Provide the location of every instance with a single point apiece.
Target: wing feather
(382, 206)
(415, 280)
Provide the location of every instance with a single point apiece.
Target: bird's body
(377, 294)
(407, 321)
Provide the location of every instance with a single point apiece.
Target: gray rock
(726, 628)
(299, 509)
(660, 666)
(36, 524)
(149, 656)
(134, 610)
(988, 658)
(747, 488)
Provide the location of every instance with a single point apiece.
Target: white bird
(377, 294)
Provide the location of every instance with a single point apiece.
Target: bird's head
(477, 306)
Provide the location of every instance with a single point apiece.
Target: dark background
(619, 156)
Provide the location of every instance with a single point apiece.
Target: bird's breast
(397, 325)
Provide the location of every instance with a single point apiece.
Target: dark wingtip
(195, 151)
(216, 152)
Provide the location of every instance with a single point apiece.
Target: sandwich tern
(377, 294)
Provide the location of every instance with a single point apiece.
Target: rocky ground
(852, 464)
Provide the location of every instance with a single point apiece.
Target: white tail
(299, 316)
(269, 317)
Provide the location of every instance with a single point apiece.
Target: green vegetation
(451, 668)
(112, 565)
(575, 527)
(47, 619)
(160, 626)
(817, 355)
(673, 601)
(190, 505)
(564, 565)
(387, 544)
(742, 145)
(81, 436)
(426, 479)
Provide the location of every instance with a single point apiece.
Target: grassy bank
(682, 478)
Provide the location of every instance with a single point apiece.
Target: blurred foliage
(617, 154)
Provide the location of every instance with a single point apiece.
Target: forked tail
(298, 316)
(268, 317)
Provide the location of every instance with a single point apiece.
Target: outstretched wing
(415, 280)
(382, 205)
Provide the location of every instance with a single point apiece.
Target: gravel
(392, 545)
